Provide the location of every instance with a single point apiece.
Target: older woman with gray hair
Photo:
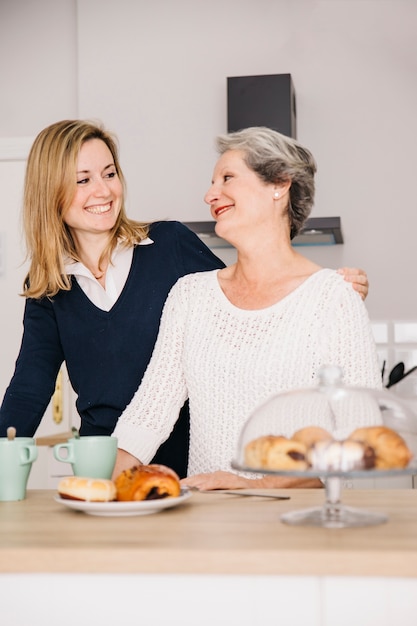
(231, 338)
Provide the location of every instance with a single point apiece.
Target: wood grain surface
(211, 534)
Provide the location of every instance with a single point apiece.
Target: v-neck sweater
(106, 352)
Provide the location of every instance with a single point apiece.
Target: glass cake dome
(340, 411)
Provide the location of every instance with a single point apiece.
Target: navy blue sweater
(106, 353)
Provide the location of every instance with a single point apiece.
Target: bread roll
(311, 434)
(341, 456)
(391, 451)
(276, 452)
(87, 489)
(147, 482)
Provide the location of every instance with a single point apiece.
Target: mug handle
(64, 446)
(28, 454)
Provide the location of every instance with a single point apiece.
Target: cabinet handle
(57, 409)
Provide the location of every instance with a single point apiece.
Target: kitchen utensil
(253, 493)
(395, 375)
(413, 369)
(125, 509)
(11, 433)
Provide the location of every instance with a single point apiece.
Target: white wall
(155, 73)
(38, 78)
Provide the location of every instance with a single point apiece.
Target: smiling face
(98, 198)
(239, 199)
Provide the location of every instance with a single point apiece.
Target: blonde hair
(49, 188)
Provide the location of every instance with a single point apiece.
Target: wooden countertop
(211, 534)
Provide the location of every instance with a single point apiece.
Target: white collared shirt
(116, 276)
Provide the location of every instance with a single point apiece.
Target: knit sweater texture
(106, 352)
(228, 361)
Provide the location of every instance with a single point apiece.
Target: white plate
(123, 509)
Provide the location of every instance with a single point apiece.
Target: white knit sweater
(228, 360)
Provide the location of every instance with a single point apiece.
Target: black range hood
(266, 100)
(317, 231)
(320, 231)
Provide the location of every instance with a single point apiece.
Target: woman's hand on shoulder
(358, 278)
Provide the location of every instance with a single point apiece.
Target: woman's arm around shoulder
(358, 278)
(195, 255)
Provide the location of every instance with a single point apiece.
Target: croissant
(147, 482)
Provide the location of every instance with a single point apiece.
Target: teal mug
(16, 458)
(91, 456)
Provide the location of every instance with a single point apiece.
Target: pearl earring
(276, 195)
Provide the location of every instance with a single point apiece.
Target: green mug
(91, 456)
(16, 458)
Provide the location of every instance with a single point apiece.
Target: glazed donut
(276, 452)
(311, 434)
(391, 451)
(87, 489)
(343, 456)
(147, 482)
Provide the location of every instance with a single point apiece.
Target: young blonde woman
(96, 285)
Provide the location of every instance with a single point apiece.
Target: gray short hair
(277, 158)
